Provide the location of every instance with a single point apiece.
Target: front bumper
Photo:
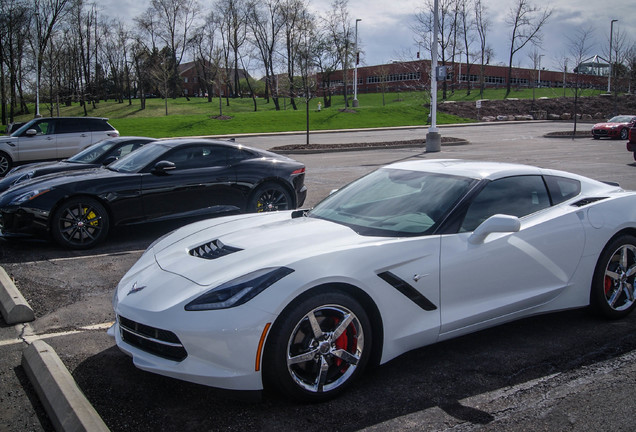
(218, 348)
(609, 133)
(24, 222)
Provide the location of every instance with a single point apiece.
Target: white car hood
(264, 241)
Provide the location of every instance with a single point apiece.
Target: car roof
(474, 169)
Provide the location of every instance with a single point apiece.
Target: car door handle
(83, 135)
(49, 138)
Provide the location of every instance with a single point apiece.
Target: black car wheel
(624, 134)
(80, 223)
(5, 163)
(613, 285)
(596, 137)
(318, 347)
(270, 197)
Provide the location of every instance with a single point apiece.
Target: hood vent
(587, 201)
(213, 250)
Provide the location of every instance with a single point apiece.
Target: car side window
(199, 156)
(562, 189)
(98, 125)
(44, 127)
(70, 126)
(516, 196)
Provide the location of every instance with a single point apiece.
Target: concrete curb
(65, 404)
(13, 306)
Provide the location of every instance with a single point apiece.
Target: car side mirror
(497, 223)
(163, 166)
(31, 132)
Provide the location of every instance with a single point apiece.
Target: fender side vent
(587, 201)
(213, 250)
(408, 290)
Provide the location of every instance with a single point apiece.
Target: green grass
(197, 116)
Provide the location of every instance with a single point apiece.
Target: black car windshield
(394, 202)
(93, 153)
(136, 161)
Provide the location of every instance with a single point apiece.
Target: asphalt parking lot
(563, 371)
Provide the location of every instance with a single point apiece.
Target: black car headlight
(28, 196)
(238, 291)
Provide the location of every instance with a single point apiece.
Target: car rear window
(97, 125)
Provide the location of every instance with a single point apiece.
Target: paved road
(564, 371)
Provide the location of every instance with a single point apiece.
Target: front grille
(599, 132)
(162, 343)
(213, 250)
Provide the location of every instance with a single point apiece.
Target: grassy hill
(197, 116)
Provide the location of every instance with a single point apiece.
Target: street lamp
(355, 70)
(37, 64)
(433, 138)
(609, 77)
(540, 55)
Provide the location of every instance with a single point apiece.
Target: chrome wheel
(325, 348)
(624, 134)
(80, 223)
(612, 292)
(318, 346)
(618, 286)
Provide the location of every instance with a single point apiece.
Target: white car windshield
(394, 202)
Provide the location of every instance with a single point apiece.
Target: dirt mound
(597, 107)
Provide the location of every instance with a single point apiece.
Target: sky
(385, 34)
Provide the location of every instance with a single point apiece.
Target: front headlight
(28, 196)
(238, 291)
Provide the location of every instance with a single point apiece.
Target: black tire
(322, 363)
(80, 223)
(269, 197)
(624, 134)
(5, 164)
(634, 153)
(596, 137)
(612, 294)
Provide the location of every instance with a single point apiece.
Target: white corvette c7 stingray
(409, 255)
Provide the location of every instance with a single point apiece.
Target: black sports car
(101, 153)
(178, 178)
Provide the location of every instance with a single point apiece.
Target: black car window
(43, 127)
(67, 125)
(562, 189)
(198, 156)
(516, 196)
(97, 125)
(235, 155)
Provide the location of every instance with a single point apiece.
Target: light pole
(37, 63)
(609, 76)
(540, 55)
(433, 138)
(355, 69)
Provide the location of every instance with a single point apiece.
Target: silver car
(52, 138)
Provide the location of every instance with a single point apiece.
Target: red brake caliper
(342, 343)
(608, 285)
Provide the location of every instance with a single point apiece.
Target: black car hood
(63, 179)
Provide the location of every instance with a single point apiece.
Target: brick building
(194, 82)
(415, 75)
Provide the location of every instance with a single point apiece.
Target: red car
(616, 127)
(631, 144)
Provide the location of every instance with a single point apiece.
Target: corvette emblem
(135, 289)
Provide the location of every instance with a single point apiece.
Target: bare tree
(174, 20)
(580, 48)
(207, 53)
(482, 25)
(338, 25)
(265, 23)
(526, 22)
